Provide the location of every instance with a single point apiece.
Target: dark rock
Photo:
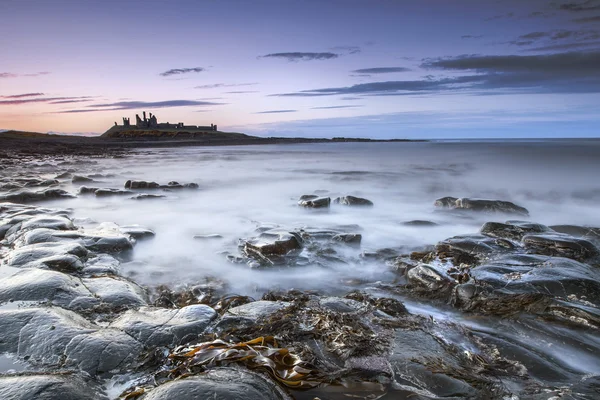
(141, 185)
(137, 232)
(219, 383)
(272, 243)
(430, 279)
(53, 337)
(29, 197)
(81, 179)
(308, 197)
(165, 327)
(513, 230)
(348, 238)
(316, 202)
(105, 192)
(146, 196)
(577, 231)
(352, 201)
(419, 223)
(446, 202)
(116, 292)
(87, 190)
(208, 237)
(250, 313)
(49, 387)
(560, 245)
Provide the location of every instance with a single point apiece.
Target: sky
(305, 68)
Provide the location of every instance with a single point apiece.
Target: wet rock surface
(481, 205)
(510, 310)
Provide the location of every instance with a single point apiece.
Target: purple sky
(376, 68)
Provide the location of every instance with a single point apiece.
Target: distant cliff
(156, 133)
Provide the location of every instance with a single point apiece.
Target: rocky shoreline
(77, 328)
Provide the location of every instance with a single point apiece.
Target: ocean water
(241, 188)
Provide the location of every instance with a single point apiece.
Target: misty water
(246, 187)
(242, 188)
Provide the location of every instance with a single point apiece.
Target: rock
(116, 292)
(101, 264)
(577, 231)
(137, 232)
(44, 285)
(471, 249)
(512, 230)
(446, 202)
(33, 256)
(64, 175)
(340, 305)
(53, 337)
(24, 196)
(146, 196)
(428, 278)
(251, 313)
(208, 237)
(480, 205)
(560, 245)
(272, 244)
(352, 201)
(419, 223)
(105, 192)
(165, 327)
(49, 387)
(219, 383)
(316, 202)
(348, 238)
(81, 179)
(87, 190)
(141, 185)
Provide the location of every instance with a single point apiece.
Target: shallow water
(244, 187)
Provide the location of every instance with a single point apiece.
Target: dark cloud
(573, 72)
(50, 100)
(502, 16)
(84, 110)
(19, 96)
(471, 36)
(242, 92)
(299, 56)
(70, 101)
(347, 49)
(224, 85)
(350, 98)
(380, 70)
(179, 71)
(38, 74)
(11, 75)
(566, 46)
(129, 105)
(534, 35)
(275, 111)
(333, 107)
(588, 19)
(588, 5)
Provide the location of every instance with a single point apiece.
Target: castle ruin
(152, 122)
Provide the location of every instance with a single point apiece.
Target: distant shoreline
(32, 141)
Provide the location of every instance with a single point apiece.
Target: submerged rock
(141, 185)
(310, 201)
(81, 179)
(481, 205)
(272, 244)
(24, 196)
(352, 201)
(105, 192)
(146, 196)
